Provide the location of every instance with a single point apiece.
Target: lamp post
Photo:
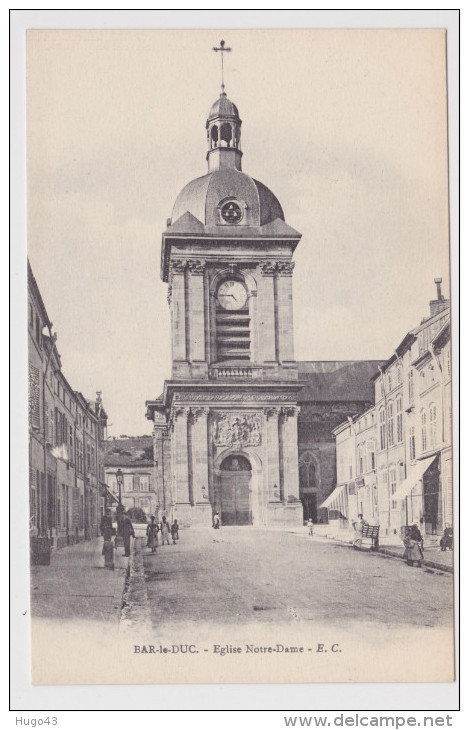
(119, 541)
(119, 478)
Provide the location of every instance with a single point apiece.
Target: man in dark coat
(127, 532)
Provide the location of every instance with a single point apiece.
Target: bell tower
(231, 403)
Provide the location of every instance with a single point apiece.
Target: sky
(346, 127)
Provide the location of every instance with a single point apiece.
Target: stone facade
(239, 411)
(226, 426)
(394, 460)
(134, 457)
(66, 433)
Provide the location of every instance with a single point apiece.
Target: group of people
(165, 530)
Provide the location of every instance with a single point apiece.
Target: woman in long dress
(414, 547)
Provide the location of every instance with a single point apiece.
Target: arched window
(225, 134)
(308, 477)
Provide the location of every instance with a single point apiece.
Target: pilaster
(178, 317)
(285, 311)
(267, 312)
(196, 314)
(273, 453)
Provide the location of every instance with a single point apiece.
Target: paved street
(241, 575)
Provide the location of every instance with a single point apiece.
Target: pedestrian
(216, 520)
(152, 534)
(446, 542)
(413, 542)
(358, 527)
(127, 532)
(107, 531)
(106, 525)
(434, 523)
(175, 531)
(164, 527)
(310, 527)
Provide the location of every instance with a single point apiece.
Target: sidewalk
(390, 546)
(76, 585)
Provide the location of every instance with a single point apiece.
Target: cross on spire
(222, 50)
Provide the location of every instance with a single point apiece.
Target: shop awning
(414, 477)
(335, 494)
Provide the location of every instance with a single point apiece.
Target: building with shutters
(394, 460)
(134, 457)
(66, 431)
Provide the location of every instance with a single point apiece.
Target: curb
(426, 563)
(391, 554)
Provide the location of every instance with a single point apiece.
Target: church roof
(223, 107)
(337, 380)
(201, 197)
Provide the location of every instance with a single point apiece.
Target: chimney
(440, 303)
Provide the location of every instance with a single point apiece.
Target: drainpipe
(53, 339)
(383, 390)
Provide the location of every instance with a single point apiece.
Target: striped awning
(415, 475)
(335, 494)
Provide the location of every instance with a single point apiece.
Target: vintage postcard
(240, 375)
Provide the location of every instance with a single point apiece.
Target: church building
(226, 425)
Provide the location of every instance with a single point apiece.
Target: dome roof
(223, 107)
(202, 197)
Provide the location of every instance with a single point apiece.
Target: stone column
(273, 453)
(178, 313)
(196, 310)
(267, 313)
(180, 463)
(285, 311)
(200, 457)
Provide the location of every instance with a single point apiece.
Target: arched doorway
(235, 491)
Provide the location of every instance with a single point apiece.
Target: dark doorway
(310, 509)
(235, 489)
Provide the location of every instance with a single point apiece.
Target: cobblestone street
(241, 575)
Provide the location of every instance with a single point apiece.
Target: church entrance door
(236, 491)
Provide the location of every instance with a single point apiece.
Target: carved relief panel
(237, 429)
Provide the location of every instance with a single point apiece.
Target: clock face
(231, 212)
(232, 295)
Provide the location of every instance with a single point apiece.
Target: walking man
(127, 532)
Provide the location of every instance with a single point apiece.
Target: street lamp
(119, 478)
(119, 541)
